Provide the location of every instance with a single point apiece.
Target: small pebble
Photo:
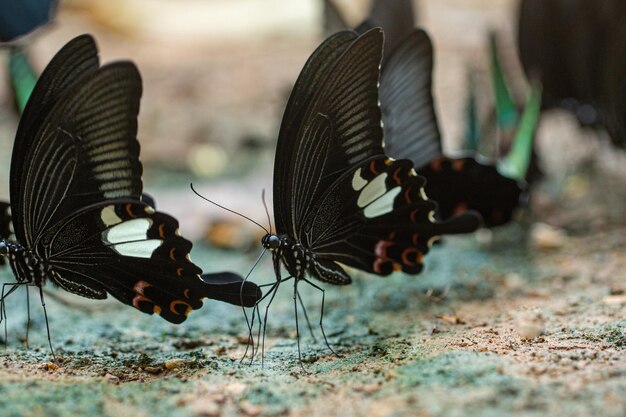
(175, 363)
(153, 369)
(544, 236)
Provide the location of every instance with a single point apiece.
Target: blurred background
(217, 73)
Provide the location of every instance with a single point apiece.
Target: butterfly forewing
(76, 59)
(87, 150)
(343, 101)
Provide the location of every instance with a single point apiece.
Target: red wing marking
(407, 197)
(459, 209)
(436, 164)
(373, 167)
(458, 165)
(129, 211)
(396, 177)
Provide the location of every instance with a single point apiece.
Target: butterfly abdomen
(27, 266)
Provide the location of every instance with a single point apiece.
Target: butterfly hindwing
(126, 249)
(381, 220)
(461, 184)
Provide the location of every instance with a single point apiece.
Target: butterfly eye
(271, 242)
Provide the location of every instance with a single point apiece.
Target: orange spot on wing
(179, 272)
(172, 257)
(129, 210)
(417, 256)
(186, 293)
(459, 209)
(436, 164)
(162, 230)
(156, 310)
(175, 303)
(458, 165)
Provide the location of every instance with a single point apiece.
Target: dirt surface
(529, 320)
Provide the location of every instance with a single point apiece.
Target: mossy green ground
(446, 343)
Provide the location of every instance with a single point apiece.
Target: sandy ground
(526, 321)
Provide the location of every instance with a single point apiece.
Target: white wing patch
(128, 231)
(358, 181)
(139, 249)
(373, 190)
(130, 238)
(383, 205)
(108, 216)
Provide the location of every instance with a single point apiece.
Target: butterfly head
(272, 242)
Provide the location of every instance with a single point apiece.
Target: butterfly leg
(3, 308)
(27, 314)
(306, 317)
(295, 308)
(45, 315)
(255, 347)
(255, 309)
(273, 291)
(322, 316)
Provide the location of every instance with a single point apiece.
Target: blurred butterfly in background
(20, 17)
(75, 189)
(338, 199)
(411, 131)
(576, 49)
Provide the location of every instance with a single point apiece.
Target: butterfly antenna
(227, 209)
(269, 221)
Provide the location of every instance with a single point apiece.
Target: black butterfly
(20, 17)
(466, 182)
(338, 199)
(575, 48)
(75, 191)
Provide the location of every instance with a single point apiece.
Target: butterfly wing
(305, 102)
(341, 204)
(76, 59)
(407, 104)
(396, 17)
(461, 184)
(126, 249)
(85, 151)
